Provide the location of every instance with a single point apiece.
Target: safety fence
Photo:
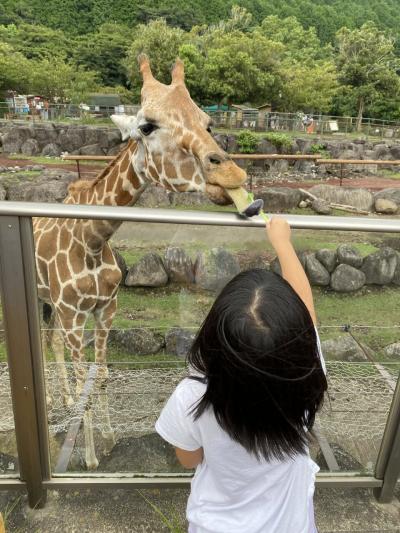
(362, 407)
(252, 119)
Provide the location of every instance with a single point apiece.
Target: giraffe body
(77, 272)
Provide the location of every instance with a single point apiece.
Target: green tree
(15, 69)
(104, 51)
(241, 67)
(66, 81)
(308, 87)
(36, 42)
(161, 43)
(367, 66)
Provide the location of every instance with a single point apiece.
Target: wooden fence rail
(274, 157)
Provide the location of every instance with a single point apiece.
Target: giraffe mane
(78, 186)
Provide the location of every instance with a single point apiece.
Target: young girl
(241, 419)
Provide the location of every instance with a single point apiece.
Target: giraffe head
(175, 147)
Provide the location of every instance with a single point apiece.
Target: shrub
(321, 150)
(247, 142)
(280, 140)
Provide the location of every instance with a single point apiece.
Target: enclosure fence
(26, 372)
(251, 119)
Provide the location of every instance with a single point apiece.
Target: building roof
(105, 100)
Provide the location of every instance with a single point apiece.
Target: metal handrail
(169, 216)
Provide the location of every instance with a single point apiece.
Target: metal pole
(388, 463)
(138, 214)
(21, 317)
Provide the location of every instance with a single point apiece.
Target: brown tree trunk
(360, 113)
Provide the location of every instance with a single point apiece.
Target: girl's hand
(279, 232)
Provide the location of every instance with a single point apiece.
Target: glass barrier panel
(102, 415)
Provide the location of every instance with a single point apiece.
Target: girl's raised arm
(278, 231)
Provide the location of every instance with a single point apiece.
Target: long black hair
(257, 350)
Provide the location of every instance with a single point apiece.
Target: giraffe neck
(117, 185)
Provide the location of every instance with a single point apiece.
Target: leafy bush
(321, 150)
(280, 140)
(247, 142)
(317, 148)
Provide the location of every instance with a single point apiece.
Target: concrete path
(120, 511)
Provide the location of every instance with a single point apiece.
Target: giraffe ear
(126, 124)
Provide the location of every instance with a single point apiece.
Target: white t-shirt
(233, 492)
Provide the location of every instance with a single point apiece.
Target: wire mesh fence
(352, 419)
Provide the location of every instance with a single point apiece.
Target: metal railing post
(388, 462)
(21, 316)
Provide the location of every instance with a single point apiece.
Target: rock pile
(345, 270)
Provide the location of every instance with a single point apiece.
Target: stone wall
(342, 270)
(52, 139)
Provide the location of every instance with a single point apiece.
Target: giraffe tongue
(246, 207)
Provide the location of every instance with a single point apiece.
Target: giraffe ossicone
(76, 269)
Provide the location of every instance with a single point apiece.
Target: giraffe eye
(147, 128)
(209, 129)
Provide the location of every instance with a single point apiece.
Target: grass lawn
(163, 308)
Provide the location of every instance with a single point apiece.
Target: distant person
(242, 416)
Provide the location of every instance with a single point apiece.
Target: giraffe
(170, 143)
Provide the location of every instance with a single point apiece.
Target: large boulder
(321, 207)
(15, 138)
(52, 186)
(266, 147)
(275, 266)
(381, 151)
(121, 264)
(396, 275)
(278, 199)
(45, 134)
(222, 140)
(303, 145)
(178, 265)
(30, 147)
(349, 255)
(95, 136)
(328, 258)
(154, 197)
(214, 268)
(386, 207)
(178, 341)
(389, 194)
(379, 268)
(51, 150)
(138, 341)
(113, 138)
(316, 272)
(92, 149)
(347, 279)
(147, 272)
(359, 198)
(343, 348)
(71, 139)
(395, 151)
(393, 350)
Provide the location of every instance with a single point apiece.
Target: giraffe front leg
(57, 345)
(73, 330)
(103, 318)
